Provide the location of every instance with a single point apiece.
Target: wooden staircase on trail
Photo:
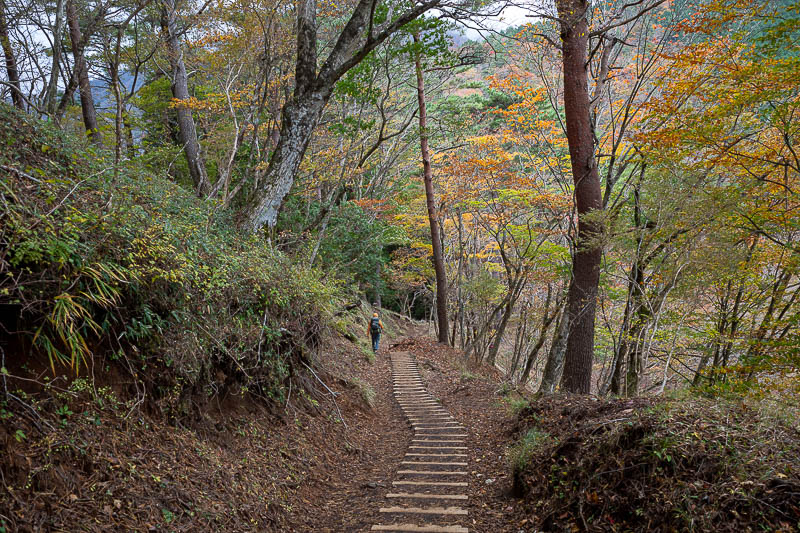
(432, 481)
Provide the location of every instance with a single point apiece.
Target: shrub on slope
(658, 465)
(104, 266)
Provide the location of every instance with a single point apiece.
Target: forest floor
(78, 454)
(350, 498)
(571, 463)
(325, 464)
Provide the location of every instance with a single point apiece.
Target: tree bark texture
(187, 133)
(11, 61)
(433, 215)
(82, 74)
(582, 298)
(298, 120)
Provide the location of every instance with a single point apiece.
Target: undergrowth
(365, 391)
(692, 464)
(105, 266)
(521, 453)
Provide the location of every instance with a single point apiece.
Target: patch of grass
(521, 453)
(505, 389)
(124, 257)
(366, 350)
(466, 375)
(515, 403)
(365, 390)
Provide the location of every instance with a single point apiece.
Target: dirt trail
(432, 476)
(429, 456)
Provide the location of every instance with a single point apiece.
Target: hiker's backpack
(375, 325)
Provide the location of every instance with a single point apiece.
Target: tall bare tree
(55, 70)
(430, 198)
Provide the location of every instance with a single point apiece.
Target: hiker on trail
(375, 328)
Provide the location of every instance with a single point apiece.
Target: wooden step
(434, 472)
(429, 441)
(422, 495)
(436, 455)
(439, 447)
(432, 483)
(444, 435)
(447, 511)
(420, 529)
(413, 401)
(431, 463)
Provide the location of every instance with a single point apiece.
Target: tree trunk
(299, 118)
(635, 365)
(313, 87)
(615, 386)
(519, 343)
(628, 349)
(187, 133)
(582, 298)
(11, 61)
(115, 85)
(533, 355)
(55, 71)
(82, 74)
(67, 95)
(459, 293)
(494, 348)
(554, 366)
(433, 217)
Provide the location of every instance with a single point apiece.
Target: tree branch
(604, 29)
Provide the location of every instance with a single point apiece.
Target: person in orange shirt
(375, 329)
